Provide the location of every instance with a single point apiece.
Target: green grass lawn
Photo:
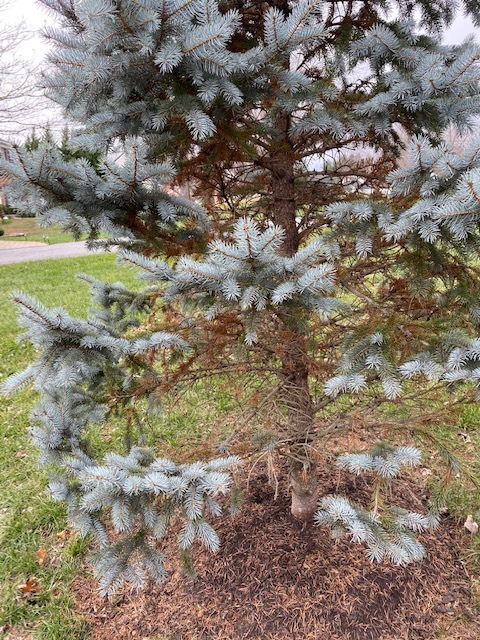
(29, 521)
(32, 231)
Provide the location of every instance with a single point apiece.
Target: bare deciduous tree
(22, 103)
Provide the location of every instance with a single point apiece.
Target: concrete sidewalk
(25, 251)
(20, 244)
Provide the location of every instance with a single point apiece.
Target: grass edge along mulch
(275, 578)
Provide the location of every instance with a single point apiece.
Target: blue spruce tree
(329, 243)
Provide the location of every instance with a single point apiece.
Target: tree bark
(304, 492)
(296, 393)
(283, 191)
(300, 415)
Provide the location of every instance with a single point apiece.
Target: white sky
(461, 29)
(35, 17)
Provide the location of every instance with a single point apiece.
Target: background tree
(30, 203)
(22, 102)
(327, 271)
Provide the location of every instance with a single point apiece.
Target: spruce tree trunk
(297, 399)
(296, 394)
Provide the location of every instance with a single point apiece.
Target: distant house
(6, 153)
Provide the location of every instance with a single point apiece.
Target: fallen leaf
(54, 561)
(63, 534)
(31, 586)
(41, 556)
(471, 525)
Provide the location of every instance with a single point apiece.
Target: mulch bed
(276, 579)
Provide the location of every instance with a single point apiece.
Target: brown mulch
(276, 579)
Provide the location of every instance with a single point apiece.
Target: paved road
(30, 251)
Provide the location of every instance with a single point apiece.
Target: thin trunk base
(304, 494)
